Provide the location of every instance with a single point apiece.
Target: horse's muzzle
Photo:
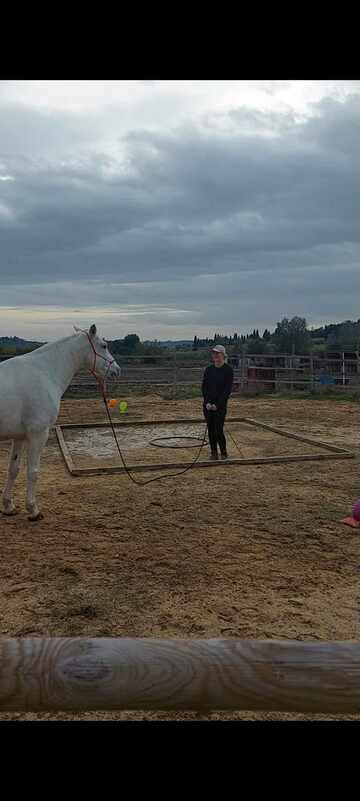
(115, 371)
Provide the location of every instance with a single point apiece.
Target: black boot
(224, 455)
(214, 456)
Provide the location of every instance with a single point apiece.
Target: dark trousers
(215, 424)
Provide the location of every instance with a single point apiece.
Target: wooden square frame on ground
(333, 451)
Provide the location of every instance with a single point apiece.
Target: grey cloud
(274, 202)
(28, 133)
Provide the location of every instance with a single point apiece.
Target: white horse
(31, 387)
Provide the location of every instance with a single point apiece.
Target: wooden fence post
(175, 373)
(243, 369)
(312, 376)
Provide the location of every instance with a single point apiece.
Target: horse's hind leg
(36, 443)
(13, 469)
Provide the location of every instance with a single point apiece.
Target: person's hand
(214, 408)
(208, 407)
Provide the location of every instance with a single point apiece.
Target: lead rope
(101, 384)
(149, 480)
(235, 443)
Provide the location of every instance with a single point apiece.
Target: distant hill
(18, 344)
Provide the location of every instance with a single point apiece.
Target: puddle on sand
(102, 443)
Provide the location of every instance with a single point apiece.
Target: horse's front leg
(36, 443)
(13, 469)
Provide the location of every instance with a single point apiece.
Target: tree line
(290, 336)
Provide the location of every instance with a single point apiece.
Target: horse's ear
(76, 329)
(93, 330)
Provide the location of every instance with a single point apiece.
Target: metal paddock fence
(252, 373)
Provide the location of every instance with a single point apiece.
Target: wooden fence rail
(333, 451)
(82, 674)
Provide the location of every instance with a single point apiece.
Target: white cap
(219, 349)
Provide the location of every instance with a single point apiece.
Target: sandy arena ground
(248, 552)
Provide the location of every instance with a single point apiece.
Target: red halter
(100, 380)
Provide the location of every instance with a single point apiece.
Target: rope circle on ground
(159, 442)
(157, 478)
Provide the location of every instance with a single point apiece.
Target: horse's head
(99, 359)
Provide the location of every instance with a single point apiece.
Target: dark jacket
(217, 385)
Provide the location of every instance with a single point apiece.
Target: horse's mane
(50, 345)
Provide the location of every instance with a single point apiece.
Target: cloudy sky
(176, 208)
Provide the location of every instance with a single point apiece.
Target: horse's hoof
(10, 513)
(33, 518)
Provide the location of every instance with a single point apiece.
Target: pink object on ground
(350, 521)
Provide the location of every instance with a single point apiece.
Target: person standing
(216, 389)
